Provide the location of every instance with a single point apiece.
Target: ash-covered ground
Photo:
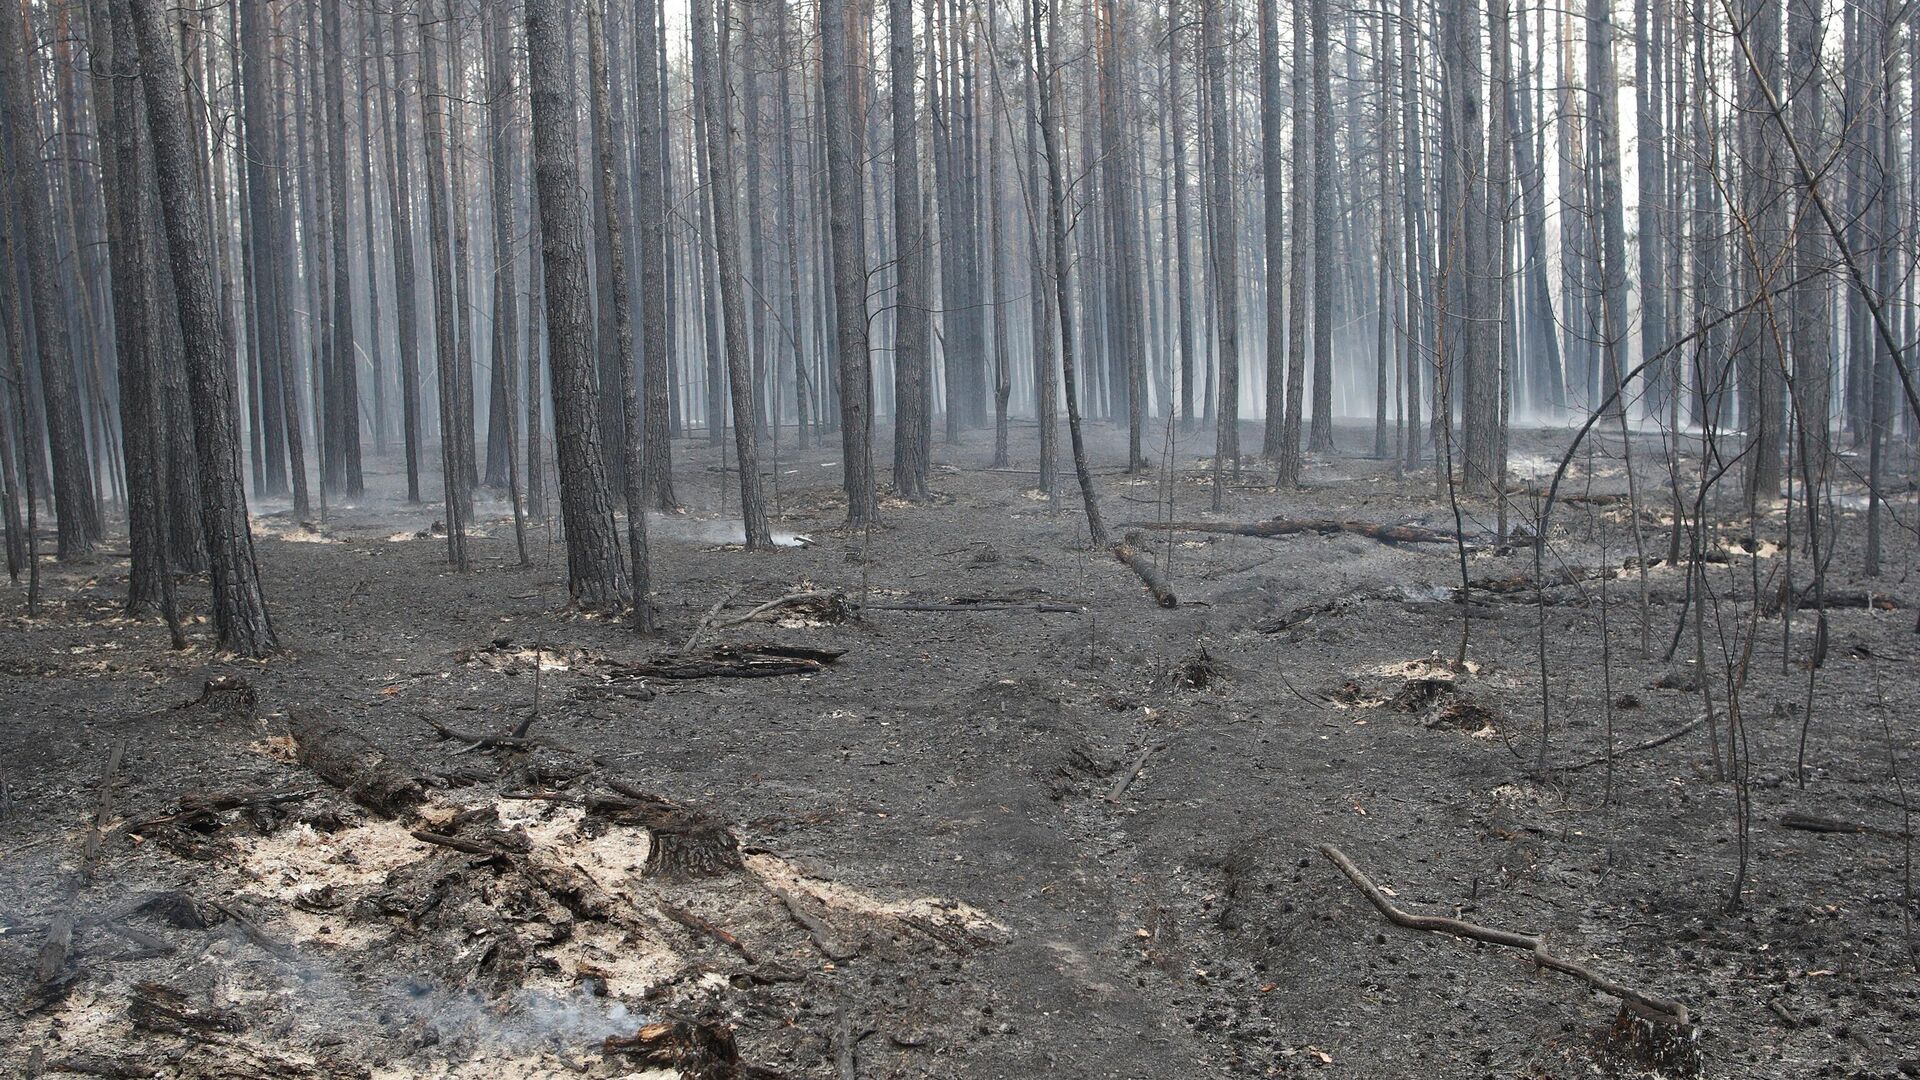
(1025, 824)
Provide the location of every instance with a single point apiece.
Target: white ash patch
(781, 874)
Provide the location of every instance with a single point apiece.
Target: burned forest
(860, 539)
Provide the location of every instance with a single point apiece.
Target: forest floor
(943, 869)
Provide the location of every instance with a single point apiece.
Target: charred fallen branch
(349, 762)
(1649, 744)
(1142, 564)
(1278, 527)
(160, 1008)
(1831, 826)
(705, 926)
(733, 662)
(1654, 1008)
(202, 809)
(825, 605)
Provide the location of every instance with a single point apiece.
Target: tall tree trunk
(33, 214)
(650, 178)
(506, 297)
(1756, 344)
(116, 65)
(1320, 430)
(1123, 282)
(1182, 230)
(239, 608)
(733, 303)
(1040, 238)
(405, 289)
(912, 426)
(1226, 271)
(633, 474)
(269, 249)
(593, 547)
(343, 384)
(1274, 230)
(447, 356)
(843, 108)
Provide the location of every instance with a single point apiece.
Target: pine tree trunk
(1320, 430)
(633, 473)
(405, 287)
(649, 177)
(446, 353)
(33, 214)
(586, 506)
(912, 426)
(239, 608)
(1226, 272)
(718, 153)
(843, 108)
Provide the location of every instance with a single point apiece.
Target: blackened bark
(405, 287)
(343, 383)
(911, 423)
(843, 106)
(1320, 428)
(33, 215)
(239, 607)
(1273, 232)
(447, 356)
(1226, 240)
(650, 178)
(506, 296)
(593, 552)
(632, 473)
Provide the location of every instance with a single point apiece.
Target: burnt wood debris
(976, 538)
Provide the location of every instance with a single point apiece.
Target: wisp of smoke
(693, 531)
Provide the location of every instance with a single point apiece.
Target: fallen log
(1126, 779)
(820, 604)
(1041, 606)
(159, 1008)
(202, 808)
(349, 762)
(1278, 527)
(733, 662)
(701, 626)
(1306, 613)
(1142, 565)
(51, 975)
(696, 1050)
(1805, 600)
(1654, 1008)
(477, 741)
(1809, 823)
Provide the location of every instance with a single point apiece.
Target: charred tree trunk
(239, 608)
(843, 109)
(1226, 265)
(650, 179)
(452, 465)
(718, 154)
(593, 549)
(32, 208)
(405, 288)
(912, 424)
